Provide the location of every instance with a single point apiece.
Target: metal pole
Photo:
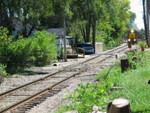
(145, 22)
(148, 22)
(65, 51)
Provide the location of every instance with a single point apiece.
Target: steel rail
(35, 81)
(49, 88)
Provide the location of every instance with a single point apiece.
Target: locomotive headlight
(129, 40)
(132, 31)
(134, 39)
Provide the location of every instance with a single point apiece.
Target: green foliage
(85, 15)
(63, 109)
(142, 44)
(43, 48)
(134, 82)
(25, 52)
(135, 59)
(136, 87)
(5, 41)
(18, 54)
(110, 77)
(107, 19)
(132, 19)
(88, 95)
(4, 38)
(27, 11)
(114, 22)
(75, 30)
(3, 73)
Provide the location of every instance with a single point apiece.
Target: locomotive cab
(132, 38)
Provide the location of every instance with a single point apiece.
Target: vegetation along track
(25, 97)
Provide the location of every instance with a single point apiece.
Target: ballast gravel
(53, 102)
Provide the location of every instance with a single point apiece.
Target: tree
(115, 22)
(85, 15)
(132, 19)
(28, 12)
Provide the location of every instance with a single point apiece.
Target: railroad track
(24, 97)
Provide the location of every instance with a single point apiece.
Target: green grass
(135, 83)
(63, 109)
(137, 89)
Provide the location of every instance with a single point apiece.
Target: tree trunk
(88, 30)
(145, 21)
(83, 33)
(30, 32)
(119, 105)
(148, 22)
(94, 33)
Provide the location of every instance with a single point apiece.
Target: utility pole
(65, 51)
(148, 21)
(144, 16)
(146, 9)
(94, 33)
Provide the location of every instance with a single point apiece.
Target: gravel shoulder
(53, 102)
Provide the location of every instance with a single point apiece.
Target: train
(132, 38)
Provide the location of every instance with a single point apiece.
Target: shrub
(5, 41)
(3, 73)
(135, 59)
(25, 52)
(19, 54)
(43, 48)
(88, 95)
(142, 44)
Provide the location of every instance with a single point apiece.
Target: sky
(136, 7)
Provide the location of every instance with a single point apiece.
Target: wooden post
(1, 77)
(119, 105)
(65, 51)
(124, 65)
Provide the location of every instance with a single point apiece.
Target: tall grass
(135, 84)
(137, 89)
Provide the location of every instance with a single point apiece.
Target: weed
(88, 95)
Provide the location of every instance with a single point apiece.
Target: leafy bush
(142, 44)
(110, 76)
(135, 59)
(5, 41)
(25, 52)
(43, 48)
(88, 95)
(3, 67)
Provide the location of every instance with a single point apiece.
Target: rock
(74, 111)
(96, 108)
(57, 64)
